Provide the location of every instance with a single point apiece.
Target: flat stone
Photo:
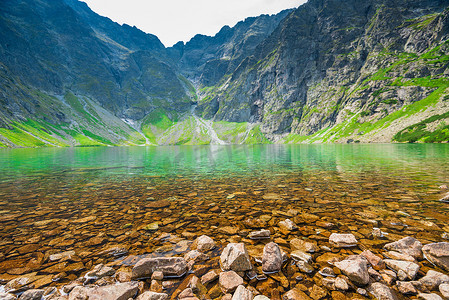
(408, 245)
(120, 291)
(342, 240)
(195, 256)
(157, 275)
(100, 271)
(261, 297)
(295, 294)
(6, 296)
(433, 280)
(374, 260)
(186, 293)
(287, 225)
(170, 266)
(438, 254)
(229, 281)
(355, 267)
(318, 293)
(305, 267)
(62, 256)
(341, 284)
(381, 292)
(259, 234)
(408, 267)
(235, 257)
(432, 296)
(302, 245)
(272, 258)
(242, 293)
(209, 277)
(32, 295)
(406, 288)
(399, 256)
(203, 243)
(444, 290)
(152, 296)
(301, 255)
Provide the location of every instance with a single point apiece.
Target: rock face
(235, 257)
(355, 267)
(170, 266)
(272, 258)
(342, 240)
(438, 254)
(407, 245)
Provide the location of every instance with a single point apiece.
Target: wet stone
(235, 257)
(148, 295)
(438, 254)
(381, 291)
(229, 281)
(410, 269)
(260, 234)
(169, 266)
(305, 267)
(408, 245)
(327, 272)
(300, 255)
(342, 240)
(272, 258)
(100, 271)
(242, 293)
(444, 290)
(429, 296)
(32, 295)
(203, 243)
(433, 280)
(374, 260)
(355, 268)
(406, 288)
(209, 277)
(302, 245)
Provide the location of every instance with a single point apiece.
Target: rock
(433, 280)
(226, 297)
(362, 292)
(187, 293)
(169, 266)
(318, 293)
(373, 259)
(355, 267)
(381, 292)
(62, 256)
(342, 240)
(260, 234)
(120, 291)
(408, 245)
(229, 281)
(300, 255)
(429, 296)
(157, 275)
(209, 277)
(298, 244)
(242, 293)
(235, 257)
(287, 225)
(295, 294)
(406, 288)
(399, 256)
(408, 267)
(152, 296)
(437, 254)
(79, 293)
(261, 297)
(305, 267)
(195, 256)
(444, 290)
(377, 233)
(32, 295)
(341, 284)
(100, 271)
(328, 283)
(272, 258)
(122, 276)
(6, 296)
(327, 272)
(445, 198)
(203, 243)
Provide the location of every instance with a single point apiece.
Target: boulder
(152, 296)
(355, 267)
(229, 281)
(235, 257)
(203, 243)
(170, 266)
(120, 291)
(342, 240)
(381, 292)
(272, 258)
(409, 268)
(408, 245)
(406, 288)
(437, 254)
(433, 280)
(32, 295)
(259, 234)
(242, 293)
(432, 296)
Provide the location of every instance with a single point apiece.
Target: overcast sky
(180, 20)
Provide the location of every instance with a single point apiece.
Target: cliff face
(329, 71)
(342, 70)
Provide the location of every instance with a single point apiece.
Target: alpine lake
(116, 205)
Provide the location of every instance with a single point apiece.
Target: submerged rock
(203, 243)
(260, 234)
(438, 254)
(306, 246)
(100, 271)
(235, 257)
(408, 245)
(355, 267)
(272, 258)
(342, 240)
(170, 266)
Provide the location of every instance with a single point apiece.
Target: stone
(79, 293)
(32, 295)
(399, 256)
(186, 293)
(209, 277)
(100, 271)
(355, 267)
(341, 284)
(122, 276)
(203, 243)
(342, 240)
(157, 275)
(437, 254)
(328, 283)
(227, 297)
(195, 256)
(169, 266)
(295, 294)
(235, 257)
(305, 267)
(301, 255)
(287, 225)
(261, 297)
(271, 258)
(62, 256)
(229, 281)
(242, 293)
(406, 288)
(305, 246)
(433, 280)
(408, 245)
(382, 292)
(120, 291)
(408, 267)
(432, 296)
(327, 272)
(444, 290)
(318, 293)
(6, 296)
(376, 262)
(445, 198)
(260, 234)
(152, 296)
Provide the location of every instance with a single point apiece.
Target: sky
(179, 20)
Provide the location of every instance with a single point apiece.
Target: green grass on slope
(256, 136)
(155, 123)
(419, 132)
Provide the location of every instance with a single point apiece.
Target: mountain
(328, 71)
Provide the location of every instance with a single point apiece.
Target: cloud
(180, 20)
